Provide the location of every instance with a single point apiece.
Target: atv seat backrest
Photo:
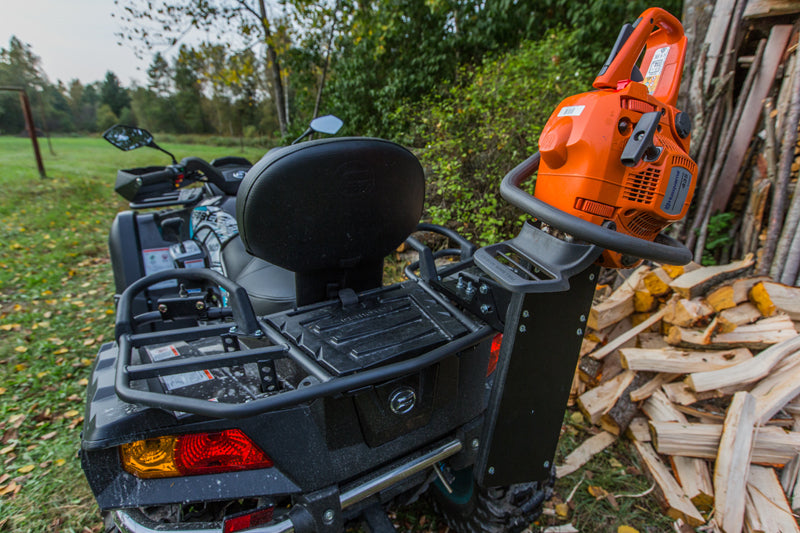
(330, 211)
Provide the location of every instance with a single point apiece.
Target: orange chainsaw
(618, 157)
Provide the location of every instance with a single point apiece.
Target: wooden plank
(584, 453)
(700, 281)
(769, 500)
(745, 372)
(594, 402)
(619, 305)
(678, 504)
(770, 8)
(646, 390)
(746, 128)
(715, 38)
(733, 461)
(630, 334)
(772, 446)
(681, 361)
(695, 479)
(771, 297)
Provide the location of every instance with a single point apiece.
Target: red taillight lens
(494, 353)
(248, 520)
(186, 455)
(210, 453)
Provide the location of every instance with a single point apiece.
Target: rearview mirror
(127, 137)
(328, 124)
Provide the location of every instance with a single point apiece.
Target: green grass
(56, 309)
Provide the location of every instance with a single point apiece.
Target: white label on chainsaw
(571, 111)
(655, 68)
(176, 381)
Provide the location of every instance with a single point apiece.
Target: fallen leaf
(60, 351)
(576, 418)
(8, 489)
(88, 342)
(48, 436)
(59, 462)
(71, 413)
(25, 469)
(562, 510)
(597, 492)
(627, 529)
(8, 448)
(21, 349)
(614, 463)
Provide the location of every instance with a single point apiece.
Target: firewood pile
(699, 369)
(742, 89)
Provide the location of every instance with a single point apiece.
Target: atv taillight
(494, 353)
(187, 455)
(247, 520)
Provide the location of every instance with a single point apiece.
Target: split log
(644, 302)
(658, 408)
(673, 271)
(647, 390)
(729, 319)
(680, 393)
(583, 453)
(745, 372)
(758, 336)
(617, 418)
(770, 297)
(733, 462)
(638, 429)
(776, 390)
(770, 8)
(681, 361)
(630, 334)
(597, 401)
(695, 479)
(772, 446)
(789, 475)
(587, 345)
(589, 370)
(769, 501)
(733, 294)
(678, 504)
(686, 313)
(651, 340)
(700, 281)
(657, 281)
(619, 305)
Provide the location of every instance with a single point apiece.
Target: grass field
(56, 308)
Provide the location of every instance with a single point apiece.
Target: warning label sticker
(176, 381)
(655, 68)
(571, 111)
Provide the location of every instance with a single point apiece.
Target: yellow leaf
(627, 529)
(21, 349)
(25, 469)
(60, 351)
(576, 418)
(59, 462)
(88, 342)
(83, 382)
(40, 375)
(9, 327)
(7, 449)
(562, 510)
(20, 367)
(597, 492)
(614, 463)
(71, 413)
(2, 390)
(47, 293)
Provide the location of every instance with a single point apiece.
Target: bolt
(475, 444)
(583, 318)
(233, 329)
(460, 283)
(470, 288)
(591, 277)
(200, 305)
(162, 308)
(485, 309)
(547, 464)
(525, 314)
(579, 332)
(522, 329)
(328, 516)
(483, 288)
(491, 470)
(258, 333)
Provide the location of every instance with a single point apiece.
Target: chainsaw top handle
(661, 36)
(663, 250)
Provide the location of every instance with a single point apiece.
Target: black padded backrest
(330, 204)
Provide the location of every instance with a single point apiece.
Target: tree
(166, 21)
(113, 94)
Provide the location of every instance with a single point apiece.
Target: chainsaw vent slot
(594, 208)
(632, 104)
(668, 143)
(641, 187)
(645, 226)
(685, 162)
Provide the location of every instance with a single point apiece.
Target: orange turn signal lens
(186, 455)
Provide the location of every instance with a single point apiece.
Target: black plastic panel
(387, 325)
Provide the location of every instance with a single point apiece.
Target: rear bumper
(132, 521)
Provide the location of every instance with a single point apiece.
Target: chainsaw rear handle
(630, 43)
(663, 250)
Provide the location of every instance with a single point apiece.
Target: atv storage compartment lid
(384, 325)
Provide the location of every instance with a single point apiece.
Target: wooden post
(26, 111)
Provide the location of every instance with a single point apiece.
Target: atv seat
(330, 210)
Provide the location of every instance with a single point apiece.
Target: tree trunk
(274, 72)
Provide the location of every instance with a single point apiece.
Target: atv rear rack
(247, 325)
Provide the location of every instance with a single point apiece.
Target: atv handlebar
(155, 177)
(663, 250)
